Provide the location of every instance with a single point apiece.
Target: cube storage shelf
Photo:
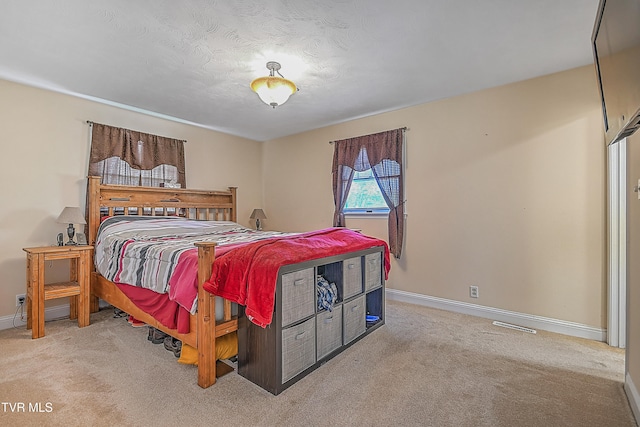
(301, 336)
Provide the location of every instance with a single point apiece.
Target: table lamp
(71, 215)
(258, 214)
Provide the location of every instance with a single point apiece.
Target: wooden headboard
(156, 201)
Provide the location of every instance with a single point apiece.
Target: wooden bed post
(93, 209)
(206, 317)
(234, 214)
(93, 222)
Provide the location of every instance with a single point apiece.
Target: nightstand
(77, 288)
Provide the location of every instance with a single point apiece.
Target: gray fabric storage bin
(329, 331)
(298, 295)
(372, 270)
(298, 348)
(353, 315)
(351, 277)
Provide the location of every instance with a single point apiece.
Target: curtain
(127, 157)
(382, 153)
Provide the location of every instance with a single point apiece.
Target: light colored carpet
(424, 367)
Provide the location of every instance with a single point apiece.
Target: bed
(210, 205)
(220, 278)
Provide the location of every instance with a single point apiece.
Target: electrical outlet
(473, 292)
(20, 299)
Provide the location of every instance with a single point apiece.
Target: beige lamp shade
(71, 215)
(258, 214)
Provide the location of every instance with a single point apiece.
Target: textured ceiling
(194, 59)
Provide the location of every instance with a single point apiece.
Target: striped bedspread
(158, 253)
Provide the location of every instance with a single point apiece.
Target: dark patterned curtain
(382, 153)
(127, 157)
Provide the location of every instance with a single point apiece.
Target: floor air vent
(516, 327)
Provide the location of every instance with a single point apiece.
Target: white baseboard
(521, 319)
(51, 313)
(527, 320)
(633, 396)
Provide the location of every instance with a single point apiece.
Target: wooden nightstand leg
(29, 291)
(73, 307)
(73, 277)
(94, 304)
(83, 281)
(29, 316)
(36, 279)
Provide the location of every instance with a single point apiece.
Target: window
(360, 165)
(126, 157)
(365, 195)
(116, 171)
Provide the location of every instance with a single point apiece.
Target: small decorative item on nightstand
(258, 214)
(81, 238)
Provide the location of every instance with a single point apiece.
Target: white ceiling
(194, 59)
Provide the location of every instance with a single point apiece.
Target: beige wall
(505, 190)
(44, 138)
(633, 278)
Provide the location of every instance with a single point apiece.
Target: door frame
(617, 243)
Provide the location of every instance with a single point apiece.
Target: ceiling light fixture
(273, 90)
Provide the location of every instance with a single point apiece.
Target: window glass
(116, 171)
(365, 194)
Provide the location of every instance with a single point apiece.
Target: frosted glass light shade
(273, 90)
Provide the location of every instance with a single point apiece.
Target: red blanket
(248, 274)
